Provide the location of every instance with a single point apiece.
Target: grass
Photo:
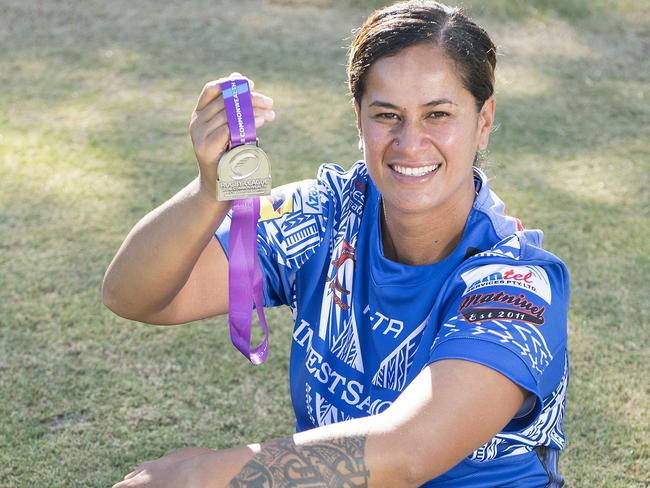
(94, 108)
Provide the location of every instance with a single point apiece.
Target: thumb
(237, 74)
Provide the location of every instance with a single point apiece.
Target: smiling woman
(424, 315)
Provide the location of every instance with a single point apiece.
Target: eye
(438, 114)
(387, 116)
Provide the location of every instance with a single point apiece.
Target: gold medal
(243, 172)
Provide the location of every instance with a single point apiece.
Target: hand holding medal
(243, 174)
(210, 132)
(244, 171)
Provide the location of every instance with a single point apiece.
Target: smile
(421, 171)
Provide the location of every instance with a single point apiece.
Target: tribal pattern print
(393, 370)
(509, 249)
(525, 339)
(294, 236)
(338, 324)
(328, 413)
(545, 431)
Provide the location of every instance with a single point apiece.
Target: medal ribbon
(244, 270)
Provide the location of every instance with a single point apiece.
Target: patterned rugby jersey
(365, 326)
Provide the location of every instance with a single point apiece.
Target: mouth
(414, 171)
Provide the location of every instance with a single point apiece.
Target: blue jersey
(365, 326)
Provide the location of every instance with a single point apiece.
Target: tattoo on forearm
(336, 463)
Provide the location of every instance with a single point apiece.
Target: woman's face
(421, 130)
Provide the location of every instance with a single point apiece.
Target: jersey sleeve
(290, 228)
(511, 318)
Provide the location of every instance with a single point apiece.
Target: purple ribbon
(239, 110)
(244, 270)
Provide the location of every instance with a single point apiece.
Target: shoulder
(339, 181)
(492, 207)
(331, 185)
(335, 174)
(514, 295)
(520, 265)
(514, 292)
(297, 217)
(514, 247)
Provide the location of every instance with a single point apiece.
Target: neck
(418, 239)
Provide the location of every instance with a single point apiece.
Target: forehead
(415, 74)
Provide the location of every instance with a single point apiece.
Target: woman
(430, 329)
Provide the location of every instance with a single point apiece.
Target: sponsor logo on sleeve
(531, 278)
(484, 307)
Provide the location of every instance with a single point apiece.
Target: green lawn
(95, 99)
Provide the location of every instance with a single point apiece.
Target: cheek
(458, 131)
(457, 140)
(446, 136)
(373, 141)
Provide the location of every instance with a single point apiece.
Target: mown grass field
(95, 99)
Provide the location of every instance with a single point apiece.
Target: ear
(357, 111)
(486, 122)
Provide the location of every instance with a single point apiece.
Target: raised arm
(452, 408)
(169, 269)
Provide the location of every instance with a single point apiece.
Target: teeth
(421, 171)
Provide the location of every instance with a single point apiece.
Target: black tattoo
(336, 463)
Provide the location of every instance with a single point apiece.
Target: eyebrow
(432, 103)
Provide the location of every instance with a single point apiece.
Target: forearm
(356, 453)
(419, 437)
(160, 252)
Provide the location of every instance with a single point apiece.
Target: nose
(411, 139)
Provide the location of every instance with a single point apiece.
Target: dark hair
(391, 29)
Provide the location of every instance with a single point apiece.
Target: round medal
(243, 172)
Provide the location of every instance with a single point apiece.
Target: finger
(141, 478)
(237, 74)
(216, 106)
(221, 119)
(263, 118)
(261, 101)
(210, 110)
(212, 90)
(132, 474)
(212, 145)
(137, 470)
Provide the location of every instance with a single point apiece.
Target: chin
(412, 205)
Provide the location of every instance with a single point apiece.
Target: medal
(243, 175)
(244, 171)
